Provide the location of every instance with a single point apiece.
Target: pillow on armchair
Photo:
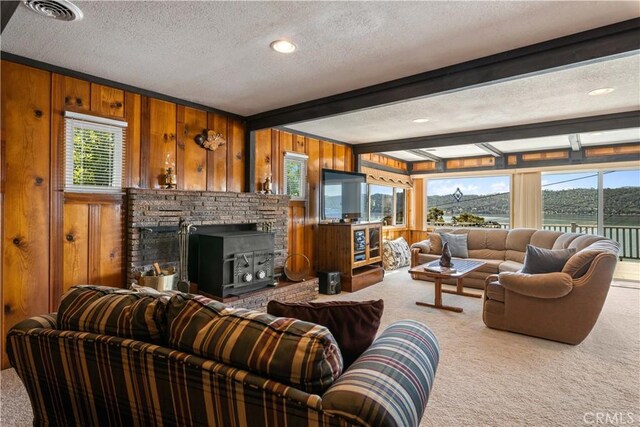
(353, 324)
(539, 260)
(395, 253)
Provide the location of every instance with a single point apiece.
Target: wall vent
(62, 10)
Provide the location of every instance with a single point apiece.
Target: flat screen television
(344, 195)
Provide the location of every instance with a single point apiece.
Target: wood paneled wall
(52, 240)
(271, 145)
(387, 161)
(26, 114)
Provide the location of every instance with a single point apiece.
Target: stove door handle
(264, 261)
(246, 261)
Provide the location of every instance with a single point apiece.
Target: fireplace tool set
(183, 248)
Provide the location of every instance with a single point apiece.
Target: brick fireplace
(153, 217)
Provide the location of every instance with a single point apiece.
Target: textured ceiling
(551, 96)
(217, 54)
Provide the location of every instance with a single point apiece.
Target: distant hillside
(618, 201)
(495, 204)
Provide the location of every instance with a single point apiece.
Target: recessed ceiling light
(601, 91)
(283, 46)
(420, 120)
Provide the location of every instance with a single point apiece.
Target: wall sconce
(210, 139)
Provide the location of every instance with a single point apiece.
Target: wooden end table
(463, 267)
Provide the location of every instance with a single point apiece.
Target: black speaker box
(329, 282)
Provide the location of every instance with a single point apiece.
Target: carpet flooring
(488, 377)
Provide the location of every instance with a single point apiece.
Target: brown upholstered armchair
(560, 306)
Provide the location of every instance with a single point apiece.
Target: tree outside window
(295, 175)
(94, 153)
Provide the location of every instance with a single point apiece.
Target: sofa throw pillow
(457, 244)
(539, 260)
(353, 324)
(424, 246)
(395, 253)
(300, 354)
(112, 311)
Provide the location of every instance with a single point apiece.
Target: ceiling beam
(489, 149)
(559, 127)
(574, 141)
(426, 156)
(591, 45)
(6, 12)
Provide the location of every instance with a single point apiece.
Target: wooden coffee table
(463, 267)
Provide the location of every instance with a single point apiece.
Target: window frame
(73, 120)
(303, 159)
(393, 207)
(469, 175)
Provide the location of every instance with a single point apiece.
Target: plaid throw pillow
(112, 311)
(293, 352)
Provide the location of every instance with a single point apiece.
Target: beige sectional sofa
(501, 250)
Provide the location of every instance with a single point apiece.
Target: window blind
(94, 153)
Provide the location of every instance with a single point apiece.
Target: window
(387, 204)
(476, 201)
(380, 203)
(295, 176)
(94, 153)
(400, 206)
(570, 198)
(604, 202)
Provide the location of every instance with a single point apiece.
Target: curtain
(526, 192)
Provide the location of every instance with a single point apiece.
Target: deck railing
(467, 224)
(628, 237)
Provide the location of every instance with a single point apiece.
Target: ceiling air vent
(62, 10)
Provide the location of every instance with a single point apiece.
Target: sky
(500, 184)
(480, 185)
(612, 179)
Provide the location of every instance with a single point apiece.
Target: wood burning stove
(231, 262)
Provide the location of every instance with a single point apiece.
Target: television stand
(355, 250)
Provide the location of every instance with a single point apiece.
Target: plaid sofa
(79, 377)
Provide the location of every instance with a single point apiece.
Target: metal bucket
(160, 283)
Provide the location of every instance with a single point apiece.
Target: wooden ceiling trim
(603, 122)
